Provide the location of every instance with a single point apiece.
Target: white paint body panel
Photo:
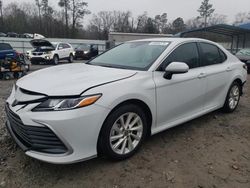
(171, 102)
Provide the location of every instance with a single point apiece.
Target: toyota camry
(111, 104)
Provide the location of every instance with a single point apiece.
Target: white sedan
(70, 113)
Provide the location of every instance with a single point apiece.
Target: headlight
(85, 52)
(66, 103)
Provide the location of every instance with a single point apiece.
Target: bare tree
(194, 23)
(65, 4)
(123, 21)
(39, 6)
(217, 19)
(78, 8)
(206, 10)
(242, 17)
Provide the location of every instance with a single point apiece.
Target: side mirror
(60, 48)
(175, 68)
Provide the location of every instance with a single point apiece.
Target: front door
(183, 95)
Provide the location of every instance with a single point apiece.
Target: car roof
(172, 39)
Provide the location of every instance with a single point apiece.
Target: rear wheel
(123, 132)
(233, 97)
(71, 58)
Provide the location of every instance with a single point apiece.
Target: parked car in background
(244, 56)
(12, 34)
(2, 34)
(86, 51)
(26, 35)
(47, 52)
(7, 52)
(69, 113)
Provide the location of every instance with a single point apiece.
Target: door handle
(228, 69)
(202, 75)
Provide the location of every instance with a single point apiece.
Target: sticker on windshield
(159, 43)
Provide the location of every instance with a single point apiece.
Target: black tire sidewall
(226, 107)
(104, 143)
(71, 58)
(56, 57)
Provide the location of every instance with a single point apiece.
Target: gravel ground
(211, 151)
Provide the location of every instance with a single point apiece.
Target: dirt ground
(211, 151)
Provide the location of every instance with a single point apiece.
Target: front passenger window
(186, 53)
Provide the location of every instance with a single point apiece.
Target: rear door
(183, 95)
(217, 71)
(60, 51)
(67, 50)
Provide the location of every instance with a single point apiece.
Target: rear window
(211, 54)
(5, 46)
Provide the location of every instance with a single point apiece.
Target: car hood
(243, 57)
(36, 43)
(71, 79)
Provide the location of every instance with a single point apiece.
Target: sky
(174, 8)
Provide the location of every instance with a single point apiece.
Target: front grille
(40, 139)
(37, 53)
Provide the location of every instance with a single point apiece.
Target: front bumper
(78, 130)
(42, 58)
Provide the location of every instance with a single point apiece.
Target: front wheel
(55, 59)
(123, 132)
(233, 97)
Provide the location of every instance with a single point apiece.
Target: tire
(55, 59)
(233, 98)
(129, 138)
(71, 58)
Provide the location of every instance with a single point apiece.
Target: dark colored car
(2, 34)
(244, 56)
(12, 34)
(86, 51)
(6, 51)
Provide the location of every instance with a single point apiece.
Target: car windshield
(54, 44)
(244, 52)
(131, 55)
(4, 46)
(83, 47)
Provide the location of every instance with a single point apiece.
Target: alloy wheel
(234, 97)
(126, 133)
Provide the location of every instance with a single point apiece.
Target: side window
(211, 54)
(95, 47)
(186, 53)
(60, 46)
(66, 45)
(223, 55)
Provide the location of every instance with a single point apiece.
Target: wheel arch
(137, 102)
(240, 82)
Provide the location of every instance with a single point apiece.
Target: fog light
(47, 57)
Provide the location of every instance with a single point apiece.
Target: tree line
(66, 20)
